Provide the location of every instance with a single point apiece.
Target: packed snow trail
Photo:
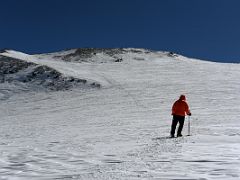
(119, 131)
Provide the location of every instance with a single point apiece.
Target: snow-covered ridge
(61, 70)
(19, 70)
(75, 67)
(15, 70)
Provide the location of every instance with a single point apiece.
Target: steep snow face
(119, 131)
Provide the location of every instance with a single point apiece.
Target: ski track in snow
(120, 131)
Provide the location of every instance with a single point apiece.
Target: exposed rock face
(11, 65)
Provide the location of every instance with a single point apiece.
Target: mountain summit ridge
(80, 67)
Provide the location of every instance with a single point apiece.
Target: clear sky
(204, 29)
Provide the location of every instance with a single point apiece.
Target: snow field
(119, 131)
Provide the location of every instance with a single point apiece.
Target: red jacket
(180, 107)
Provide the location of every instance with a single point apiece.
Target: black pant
(180, 120)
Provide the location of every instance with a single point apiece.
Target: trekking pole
(188, 125)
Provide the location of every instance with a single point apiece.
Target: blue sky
(204, 29)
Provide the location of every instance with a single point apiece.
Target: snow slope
(118, 131)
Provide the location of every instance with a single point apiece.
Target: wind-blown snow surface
(118, 131)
